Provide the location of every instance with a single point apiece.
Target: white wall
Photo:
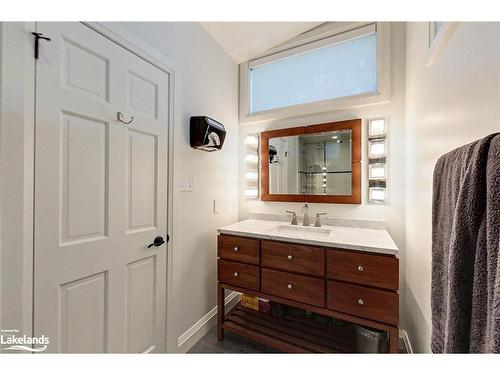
(393, 212)
(451, 103)
(206, 83)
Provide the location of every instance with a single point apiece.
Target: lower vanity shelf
(290, 334)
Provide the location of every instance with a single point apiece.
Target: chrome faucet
(294, 217)
(317, 221)
(305, 210)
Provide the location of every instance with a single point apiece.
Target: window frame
(333, 34)
(438, 40)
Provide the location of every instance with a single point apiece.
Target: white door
(100, 195)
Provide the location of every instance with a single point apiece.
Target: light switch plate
(187, 184)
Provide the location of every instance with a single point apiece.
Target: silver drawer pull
(236, 274)
(360, 302)
(290, 257)
(236, 248)
(360, 268)
(290, 286)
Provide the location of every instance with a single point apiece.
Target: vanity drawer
(374, 304)
(294, 258)
(239, 249)
(292, 286)
(238, 274)
(374, 270)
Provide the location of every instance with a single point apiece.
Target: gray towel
(465, 296)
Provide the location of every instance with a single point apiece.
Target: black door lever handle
(158, 241)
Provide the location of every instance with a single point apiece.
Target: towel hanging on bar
(465, 295)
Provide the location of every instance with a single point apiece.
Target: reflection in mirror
(311, 164)
(283, 165)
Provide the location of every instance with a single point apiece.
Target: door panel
(84, 163)
(142, 172)
(141, 304)
(142, 94)
(98, 201)
(84, 307)
(84, 70)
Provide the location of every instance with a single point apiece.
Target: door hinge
(38, 36)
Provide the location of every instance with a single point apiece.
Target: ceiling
(244, 40)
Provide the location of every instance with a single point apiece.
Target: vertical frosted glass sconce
(377, 195)
(377, 148)
(251, 176)
(377, 171)
(250, 158)
(376, 128)
(377, 160)
(252, 193)
(252, 140)
(252, 166)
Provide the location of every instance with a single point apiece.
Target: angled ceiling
(244, 40)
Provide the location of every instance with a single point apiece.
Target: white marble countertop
(353, 238)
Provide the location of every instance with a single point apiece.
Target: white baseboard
(406, 339)
(202, 326)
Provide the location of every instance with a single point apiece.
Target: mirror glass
(312, 164)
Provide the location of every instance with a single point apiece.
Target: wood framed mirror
(313, 163)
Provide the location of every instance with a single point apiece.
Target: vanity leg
(220, 312)
(394, 340)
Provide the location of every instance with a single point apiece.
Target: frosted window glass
(343, 69)
(436, 27)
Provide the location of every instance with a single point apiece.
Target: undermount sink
(301, 231)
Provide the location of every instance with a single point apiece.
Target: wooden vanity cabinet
(354, 286)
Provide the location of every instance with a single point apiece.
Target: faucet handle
(294, 217)
(317, 221)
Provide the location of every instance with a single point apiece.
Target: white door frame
(17, 151)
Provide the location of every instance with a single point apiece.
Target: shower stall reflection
(312, 164)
